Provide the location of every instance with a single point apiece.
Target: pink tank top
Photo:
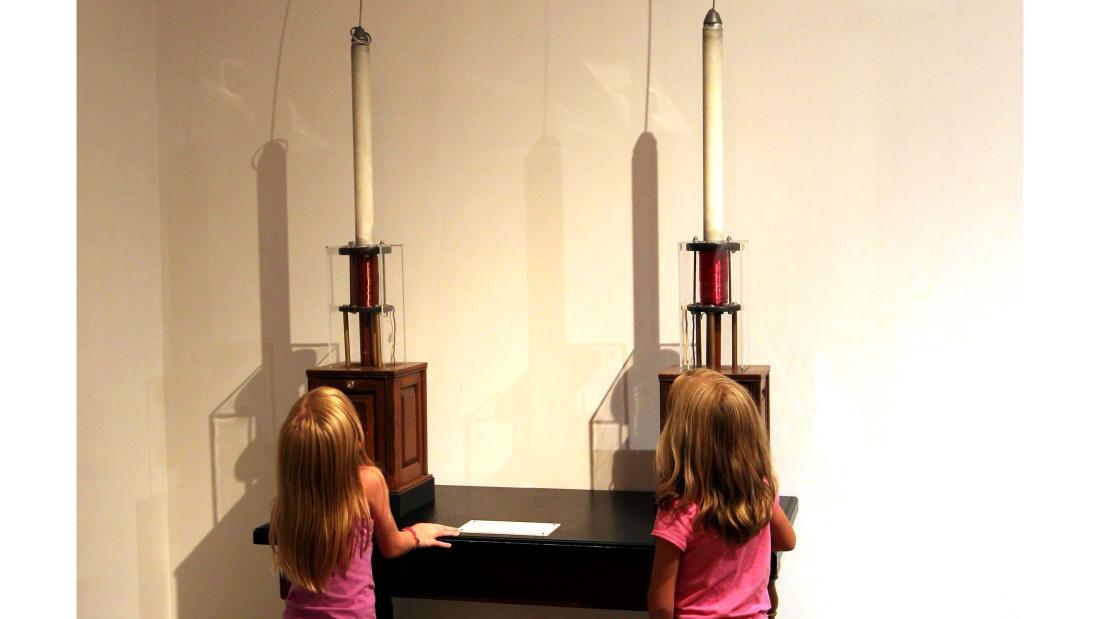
(717, 579)
(348, 594)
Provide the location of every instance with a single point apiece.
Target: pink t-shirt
(349, 591)
(716, 578)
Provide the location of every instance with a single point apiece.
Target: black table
(600, 556)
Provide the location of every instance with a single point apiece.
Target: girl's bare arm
(391, 541)
(782, 531)
(662, 582)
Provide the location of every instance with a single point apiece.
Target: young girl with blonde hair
(331, 501)
(718, 518)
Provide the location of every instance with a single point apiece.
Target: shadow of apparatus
(624, 427)
(527, 414)
(225, 576)
(540, 416)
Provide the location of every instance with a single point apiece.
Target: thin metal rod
(382, 296)
(347, 341)
(714, 341)
(376, 338)
(697, 341)
(694, 276)
(366, 340)
(733, 343)
(697, 361)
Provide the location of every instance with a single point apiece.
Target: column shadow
(624, 427)
(225, 575)
(536, 417)
(521, 415)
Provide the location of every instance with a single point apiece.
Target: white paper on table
(508, 527)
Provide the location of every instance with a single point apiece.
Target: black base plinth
(412, 498)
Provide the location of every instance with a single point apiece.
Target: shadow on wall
(543, 416)
(511, 437)
(540, 418)
(624, 426)
(526, 415)
(225, 575)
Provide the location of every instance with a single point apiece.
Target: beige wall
(539, 191)
(122, 530)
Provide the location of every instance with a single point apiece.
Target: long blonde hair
(713, 452)
(320, 505)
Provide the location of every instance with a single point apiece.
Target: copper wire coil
(714, 277)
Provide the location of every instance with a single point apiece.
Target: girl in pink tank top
(718, 518)
(331, 505)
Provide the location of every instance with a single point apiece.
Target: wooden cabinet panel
(754, 378)
(392, 406)
(368, 407)
(409, 422)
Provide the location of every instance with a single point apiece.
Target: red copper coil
(364, 293)
(364, 280)
(714, 268)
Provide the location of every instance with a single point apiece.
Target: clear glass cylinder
(388, 303)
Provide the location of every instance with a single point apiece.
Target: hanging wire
(393, 337)
(358, 35)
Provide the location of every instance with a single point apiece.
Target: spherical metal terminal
(360, 36)
(713, 20)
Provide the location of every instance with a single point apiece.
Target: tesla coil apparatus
(712, 270)
(389, 394)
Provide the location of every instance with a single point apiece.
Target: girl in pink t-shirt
(331, 503)
(719, 517)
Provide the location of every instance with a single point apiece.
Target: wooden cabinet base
(392, 403)
(754, 378)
